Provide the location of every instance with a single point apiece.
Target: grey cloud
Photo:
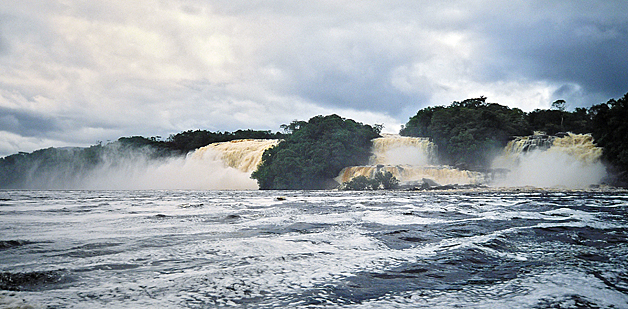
(564, 90)
(4, 46)
(352, 90)
(25, 124)
(108, 70)
(585, 46)
(347, 62)
(599, 64)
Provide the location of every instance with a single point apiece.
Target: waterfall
(522, 144)
(244, 155)
(218, 166)
(414, 175)
(571, 161)
(410, 160)
(394, 149)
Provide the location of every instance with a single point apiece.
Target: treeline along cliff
(468, 135)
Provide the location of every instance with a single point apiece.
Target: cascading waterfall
(218, 166)
(571, 161)
(402, 150)
(410, 160)
(244, 155)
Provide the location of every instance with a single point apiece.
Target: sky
(75, 73)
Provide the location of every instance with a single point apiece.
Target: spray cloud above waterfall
(572, 161)
(188, 160)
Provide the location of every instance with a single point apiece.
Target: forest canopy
(609, 123)
(468, 133)
(315, 152)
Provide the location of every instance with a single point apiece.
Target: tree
(379, 181)
(610, 131)
(293, 126)
(314, 153)
(187, 141)
(560, 106)
(467, 133)
(554, 121)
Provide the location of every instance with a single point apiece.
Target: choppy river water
(313, 249)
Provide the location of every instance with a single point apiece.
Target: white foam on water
(551, 289)
(273, 251)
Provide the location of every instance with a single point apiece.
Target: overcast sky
(77, 72)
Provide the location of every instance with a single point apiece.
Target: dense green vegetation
(187, 141)
(315, 152)
(609, 123)
(379, 181)
(554, 121)
(50, 165)
(184, 142)
(468, 133)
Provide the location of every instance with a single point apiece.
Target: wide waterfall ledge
(412, 160)
(411, 175)
(565, 161)
(568, 161)
(244, 154)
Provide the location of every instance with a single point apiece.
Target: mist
(393, 149)
(124, 169)
(407, 155)
(571, 162)
(206, 172)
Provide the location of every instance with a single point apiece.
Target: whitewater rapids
(316, 249)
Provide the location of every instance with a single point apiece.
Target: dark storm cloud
(597, 63)
(595, 59)
(25, 124)
(582, 43)
(362, 84)
(358, 92)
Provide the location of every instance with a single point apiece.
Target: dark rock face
(533, 142)
(429, 183)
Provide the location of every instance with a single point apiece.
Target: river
(314, 249)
